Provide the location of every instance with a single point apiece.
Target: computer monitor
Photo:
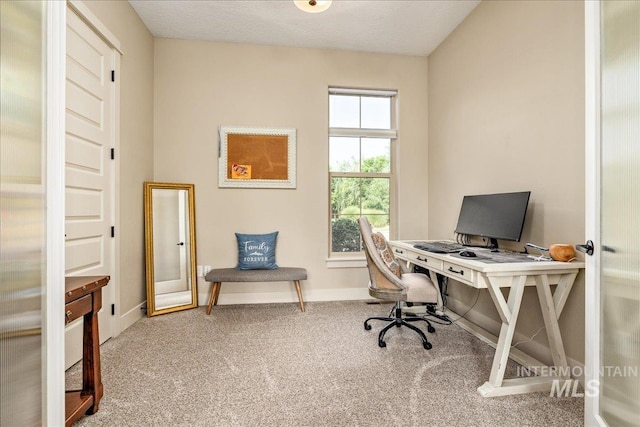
(494, 216)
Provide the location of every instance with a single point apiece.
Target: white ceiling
(385, 26)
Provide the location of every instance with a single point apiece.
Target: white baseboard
(342, 294)
(132, 316)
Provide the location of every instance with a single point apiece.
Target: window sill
(346, 262)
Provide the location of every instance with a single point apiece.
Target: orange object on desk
(562, 252)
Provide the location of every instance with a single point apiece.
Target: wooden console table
(83, 297)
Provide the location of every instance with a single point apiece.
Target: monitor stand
(493, 244)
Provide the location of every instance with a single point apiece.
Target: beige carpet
(271, 365)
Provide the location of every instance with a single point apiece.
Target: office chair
(389, 283)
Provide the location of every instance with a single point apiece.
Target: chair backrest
(381, 276)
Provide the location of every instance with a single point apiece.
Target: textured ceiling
(385, 26)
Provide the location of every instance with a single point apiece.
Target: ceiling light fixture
(313, 6)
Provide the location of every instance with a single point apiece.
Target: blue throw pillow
(257, 251)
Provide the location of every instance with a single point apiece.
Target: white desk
(516, 276)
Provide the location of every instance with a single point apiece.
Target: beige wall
(505, 107)
(135, 155)
(201, 85)
(506, 113)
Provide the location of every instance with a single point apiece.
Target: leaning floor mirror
(170, 242)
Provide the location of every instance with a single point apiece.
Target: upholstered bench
(282, 274)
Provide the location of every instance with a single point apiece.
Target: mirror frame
(148, 233)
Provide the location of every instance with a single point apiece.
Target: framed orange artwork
(255, 157)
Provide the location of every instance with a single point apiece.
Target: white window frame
(357, 259)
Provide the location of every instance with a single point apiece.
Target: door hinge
(113, 231)
(113, 309)
(113, 153)
(113, 75)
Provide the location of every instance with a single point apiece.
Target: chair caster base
(397, 320)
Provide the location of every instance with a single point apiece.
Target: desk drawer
(458, 272)
(418, 259)
(77, 308)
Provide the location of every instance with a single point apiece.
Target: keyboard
(439, 247)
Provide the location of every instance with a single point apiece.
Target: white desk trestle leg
(551, 307)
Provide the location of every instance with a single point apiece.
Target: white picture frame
(257, 157)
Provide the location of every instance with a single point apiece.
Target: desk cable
(463, 239)
(443, 282)
(468, 309)
(530, 339)
(446, 320)
(442, 319)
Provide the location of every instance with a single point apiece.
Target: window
(361, 129)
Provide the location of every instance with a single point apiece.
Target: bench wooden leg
(297, 282)
(213, 295)
(215, 301)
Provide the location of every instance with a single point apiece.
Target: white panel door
(88, 170)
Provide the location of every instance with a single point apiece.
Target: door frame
(53, 379)
(592, 213)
